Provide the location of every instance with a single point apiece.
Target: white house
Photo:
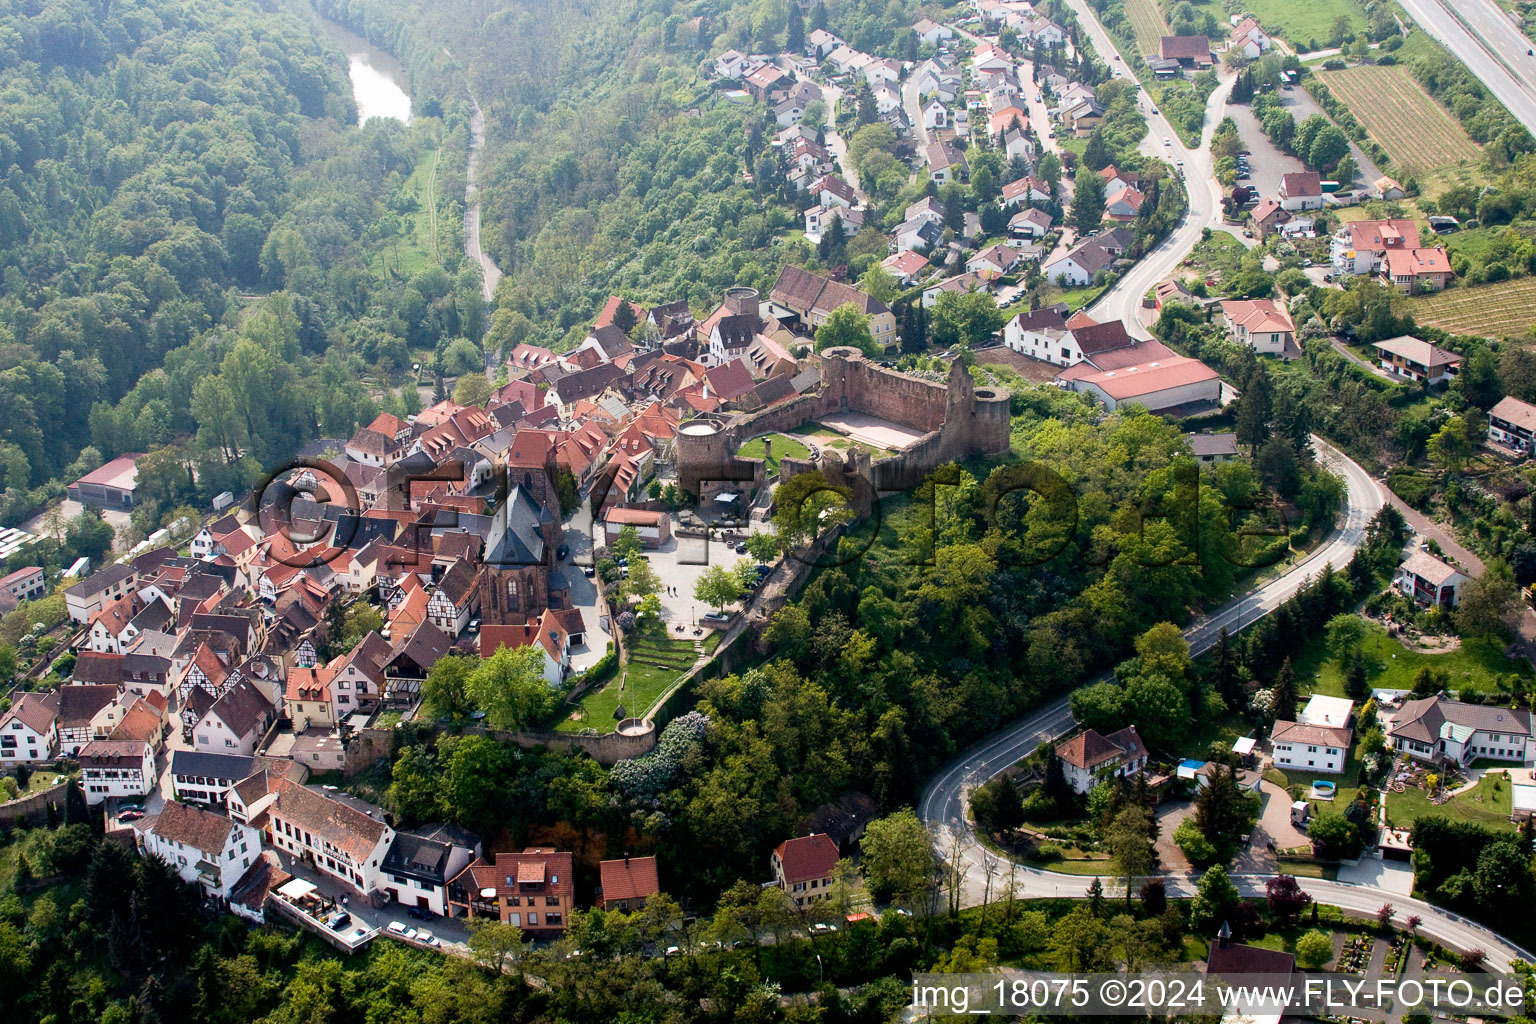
(931, 32)
(206, 849)
(1312, 748)
(1248, 39)
(456, 599)
(1359, 246)
(1089, 758)
(819, 42)
(1077, 267)
(1031, 224)
(116, 769)
(1262, 324)
(1438, 728)
(1430, 581)
(1301, 190)
(29, 731)
(730, 64)
(1026, 190)
(338, 838)
(235, 723)
(935, 114)
(996, 259)
(1512, 423)
(418, 867)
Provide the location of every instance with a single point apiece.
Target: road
(1124, 300)
(490, 273)
(943, 803)
(912, 102)
(1492, 47)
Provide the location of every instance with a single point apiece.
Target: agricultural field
(1306, 24)
(1417, 133)
(1503, 310)
(1147, 23)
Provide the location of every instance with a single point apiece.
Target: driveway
(1170, 814)
(1391, 875)
(1265, 159)
(1274, 826)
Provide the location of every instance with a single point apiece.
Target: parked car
(715, 617)
(1168, 142)
(428, 938)
(340, 921)
(588, 571)
(421, 913)
(395, 928)
(131, 814)
(741, 548)
(561, 552)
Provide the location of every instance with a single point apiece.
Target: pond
(378, 80)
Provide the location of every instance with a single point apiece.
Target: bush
(1192, 841)
(1047, 853)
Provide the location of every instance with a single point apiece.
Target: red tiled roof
(630, 878)
(808, 857)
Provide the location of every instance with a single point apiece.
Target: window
(516, 919)
(533, 918)
(551, 901)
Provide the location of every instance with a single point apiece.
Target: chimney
(1225, 935)
(626, 858)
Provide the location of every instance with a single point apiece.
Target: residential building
(812, 298)
(86, 713)
(1269, 217)
(1026, 190)
(1512, 423)
(1032, 225)
(1430, 581)
(626, 883)
(1043, 334)
(1301, 190)
(534, 890)
(1124, 205)
(236, 722)
(1441, 729)
(931, 32)
(551, 632)
(1418, 360)
(206, 849)
(945, 162)
(308, 699)
(116, 769)
(112, 486)
(29, 731)
(207, 778)
(90, 596)
(996, 259)
(1261, 324)
(804, 867)
(906, 266)
(1313, 748)
(456, 599)
(27, 584)
(1248, 39)
(1089, 757)
(1359, 246)
(420, 864)
(1417, 270)
(1078, 267)
(1212, 449)
(343, 838)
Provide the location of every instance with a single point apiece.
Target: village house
(1359, 246)
(206, 778)
(812, 298)
(1439, 729)
(1078, 267)
(1417, 270)
(1430, 581)
(1089, 758)
(1261, 324)
(1029, 225)
(819, 42)
(1025, 190)
(86, 712)
(1189, 51)
(1268, 218)
(550, 634)
(1512, 424)
(1212, 449)
(533, 890)
(420, 864)
(206, 849)
(803, 868)
(26, 584)
(906, 266)
(336, 837)
(1044, 334)
(1248, 40)
(1418, 360)
(236, 721)
(456, 599)
(29, 731)
(116, 769)
(626, 883)
(946, 163)
(1124, 205)
(85, 599)
(1301, 190)
(931, 32)
(996, 259)
(1298, 746)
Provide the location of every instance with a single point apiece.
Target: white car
(396, 928)
(1168, 143)
(427, 937)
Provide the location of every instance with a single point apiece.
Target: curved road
(943, 803)
(490, 273)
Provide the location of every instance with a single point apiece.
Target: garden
(1416, 791)
(655, 662)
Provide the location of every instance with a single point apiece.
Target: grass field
(1220, 255)
(1147, 23)
(1305, 22)
(1480, 805)
(1503, 310)
(413, 249)
(1417, 133)
(1391, 666)
(655, 662)
(783, 445)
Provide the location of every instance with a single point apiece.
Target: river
(378, 80)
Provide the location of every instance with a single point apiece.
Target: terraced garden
(655, 662)
(1417, 133)
(1503, 310)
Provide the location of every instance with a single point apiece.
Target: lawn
(1075, 298)
(1219, 256)
(414, 248)
(1304, 777)
(1417, 133)
(655, 662)
(1502, 310)
(1221, 730)
(1306, 24)
(1479, 805)
(783, 445)
(1391, 666)
(826, 437)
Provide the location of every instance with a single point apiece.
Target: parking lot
(680, 562)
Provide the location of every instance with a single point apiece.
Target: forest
(190, 222)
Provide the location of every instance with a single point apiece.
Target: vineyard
(1503, 310)
(1148, 24)
(1416, 132)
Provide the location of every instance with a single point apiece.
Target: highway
(1492, 47)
